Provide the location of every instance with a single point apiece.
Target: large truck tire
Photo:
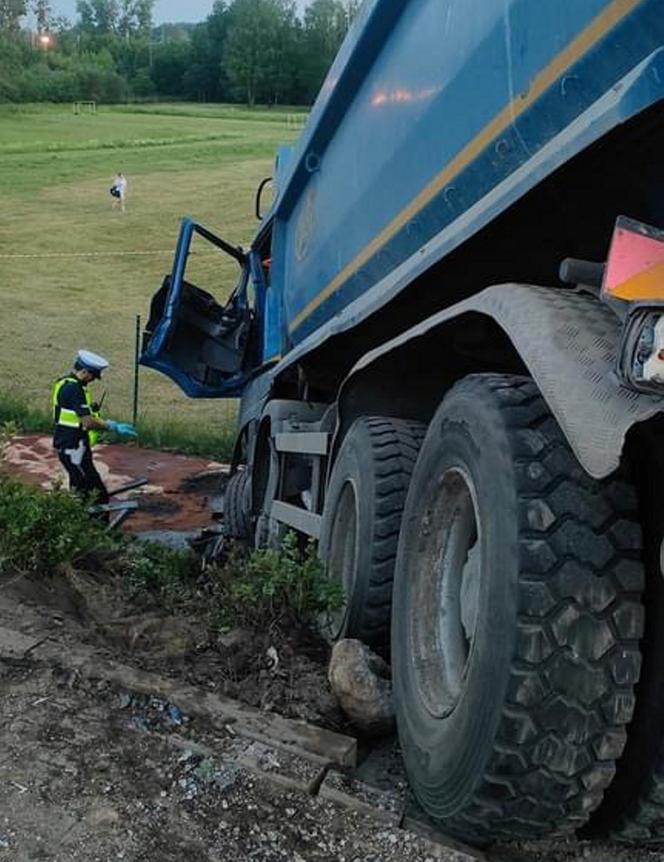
(361, 522)
(633, 807)
(237, 517)
(516, 619)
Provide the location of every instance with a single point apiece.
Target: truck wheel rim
(342, 559)
(446, 578)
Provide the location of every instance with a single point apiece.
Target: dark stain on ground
(204, 483)
(156, 504)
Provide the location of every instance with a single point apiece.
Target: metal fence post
(137, 355)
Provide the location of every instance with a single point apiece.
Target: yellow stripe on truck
(584, 42)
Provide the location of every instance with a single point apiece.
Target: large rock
(360, 680)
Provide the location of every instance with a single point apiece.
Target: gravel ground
(90, 774)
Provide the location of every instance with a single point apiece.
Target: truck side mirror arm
(259, 195)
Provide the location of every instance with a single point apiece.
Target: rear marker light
(641, 356)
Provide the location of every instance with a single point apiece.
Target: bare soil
(239, 663)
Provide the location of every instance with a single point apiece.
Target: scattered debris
(360, 679)
(388, 805)
(124, 699)
(175, 714)
(293, 771)
(117, 763)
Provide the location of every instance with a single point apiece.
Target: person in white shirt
(119, 191)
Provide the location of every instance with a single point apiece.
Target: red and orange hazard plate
(635, 268)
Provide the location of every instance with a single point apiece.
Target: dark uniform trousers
(83, 475)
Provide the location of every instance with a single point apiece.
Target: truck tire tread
(633, 807)
(384, 451)
(235, 517)
(579, 615)
(394, 447)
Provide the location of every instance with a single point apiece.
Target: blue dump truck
(448, 340)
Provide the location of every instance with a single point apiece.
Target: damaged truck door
(198, 342)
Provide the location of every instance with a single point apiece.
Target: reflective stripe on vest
(70, 418)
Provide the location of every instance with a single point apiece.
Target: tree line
(250, 51)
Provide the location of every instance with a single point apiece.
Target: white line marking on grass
(86, 254)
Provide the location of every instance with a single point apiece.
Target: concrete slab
(289, 770)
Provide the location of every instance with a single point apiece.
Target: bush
(162, 574)
(43, 531)
(100, 85)
(9, 90)
(142, 84)
(263, 588)
(273, 585)
(42, 83)
(40, 531)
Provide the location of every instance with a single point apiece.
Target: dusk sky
(164, 10)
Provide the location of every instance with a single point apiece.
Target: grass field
(55, 172)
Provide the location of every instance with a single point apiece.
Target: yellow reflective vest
(70, 418)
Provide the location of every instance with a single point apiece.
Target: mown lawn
(55, 172)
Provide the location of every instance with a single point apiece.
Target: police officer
(77, 425)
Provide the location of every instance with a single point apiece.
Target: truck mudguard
(568, 341)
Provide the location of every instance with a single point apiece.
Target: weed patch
(154, 574)
(179, 435)
(278, 585)
(264, 588)
(15, 412)
(41, 531)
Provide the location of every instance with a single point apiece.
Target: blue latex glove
(123, 429)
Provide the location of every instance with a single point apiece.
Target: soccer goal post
(84, 107)
(296, 121)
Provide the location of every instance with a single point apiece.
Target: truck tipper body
(448, 340)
